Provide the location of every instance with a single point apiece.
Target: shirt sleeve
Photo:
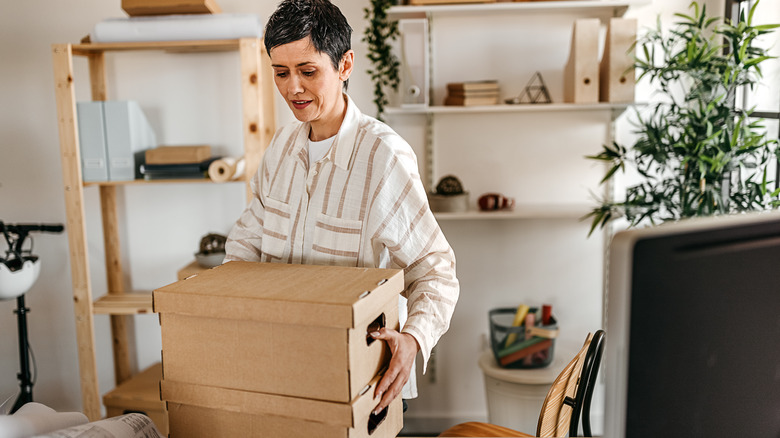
(406, 227)
(244, 242)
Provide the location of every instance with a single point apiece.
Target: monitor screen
(693, 329)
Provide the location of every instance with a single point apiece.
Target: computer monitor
(693, 329)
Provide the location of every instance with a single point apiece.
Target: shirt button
(314, 173)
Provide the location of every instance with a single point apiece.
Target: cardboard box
(203, 411)
(169, 7)
(294, 330)
(140, 394)
(178, 154)
(194, 268)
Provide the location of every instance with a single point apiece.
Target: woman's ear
(346, 65)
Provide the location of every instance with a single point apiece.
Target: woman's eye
(281, 74)
(308, 73)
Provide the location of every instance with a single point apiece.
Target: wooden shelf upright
(258, 126)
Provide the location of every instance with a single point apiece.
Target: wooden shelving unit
(258, 126)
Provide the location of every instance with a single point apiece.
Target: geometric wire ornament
(534, 92)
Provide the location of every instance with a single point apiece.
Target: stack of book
(472, 93)
(177, 162)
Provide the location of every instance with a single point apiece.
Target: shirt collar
(344, 143)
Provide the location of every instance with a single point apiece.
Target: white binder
(92, 141)
(128, 135)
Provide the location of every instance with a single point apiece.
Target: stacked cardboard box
(472, 93)
(139, 394)
(266, 349)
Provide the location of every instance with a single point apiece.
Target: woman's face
(308, 82)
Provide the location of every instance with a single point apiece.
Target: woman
(338, 187)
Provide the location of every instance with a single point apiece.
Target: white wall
(196, 99)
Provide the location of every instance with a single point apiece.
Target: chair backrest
(590, 371)
(570, 394)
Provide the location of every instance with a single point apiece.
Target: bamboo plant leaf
(696, 153)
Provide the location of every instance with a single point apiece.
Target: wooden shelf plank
(124, 304)
(155, 181)
(176, 46)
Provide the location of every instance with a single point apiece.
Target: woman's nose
(296, 86)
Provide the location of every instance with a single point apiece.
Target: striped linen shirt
(363, 204)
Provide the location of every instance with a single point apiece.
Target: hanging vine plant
(379, 34)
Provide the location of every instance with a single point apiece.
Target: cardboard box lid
(169, 7)
(328, 296)
(259, 403)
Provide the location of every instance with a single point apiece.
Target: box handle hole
(131, 411)
(375, 420)
(375, 325)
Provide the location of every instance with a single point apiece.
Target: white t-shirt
(318, 149)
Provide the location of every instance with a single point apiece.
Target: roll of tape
(227, 169)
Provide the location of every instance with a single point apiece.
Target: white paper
(123, 426)
(177, 28)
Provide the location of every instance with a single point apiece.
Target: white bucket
(515, 396)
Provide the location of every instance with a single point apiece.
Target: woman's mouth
(300, 104)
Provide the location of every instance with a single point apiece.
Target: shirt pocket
(276, 229)
(336, 241)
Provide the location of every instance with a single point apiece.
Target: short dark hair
(323, 21)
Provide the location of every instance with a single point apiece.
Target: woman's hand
(403, 348)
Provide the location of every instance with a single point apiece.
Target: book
(474, 93)
(489, 85)
(186, 175)
(178, 154)
(173, 171)
(471, 100)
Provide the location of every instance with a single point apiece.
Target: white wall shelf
(618, 8)
(549, 211)
(506, 108)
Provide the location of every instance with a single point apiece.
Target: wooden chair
(567, 402)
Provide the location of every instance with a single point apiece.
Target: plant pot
(449, 203)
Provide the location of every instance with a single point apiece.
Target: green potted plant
(379, 34)
(695, 152)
